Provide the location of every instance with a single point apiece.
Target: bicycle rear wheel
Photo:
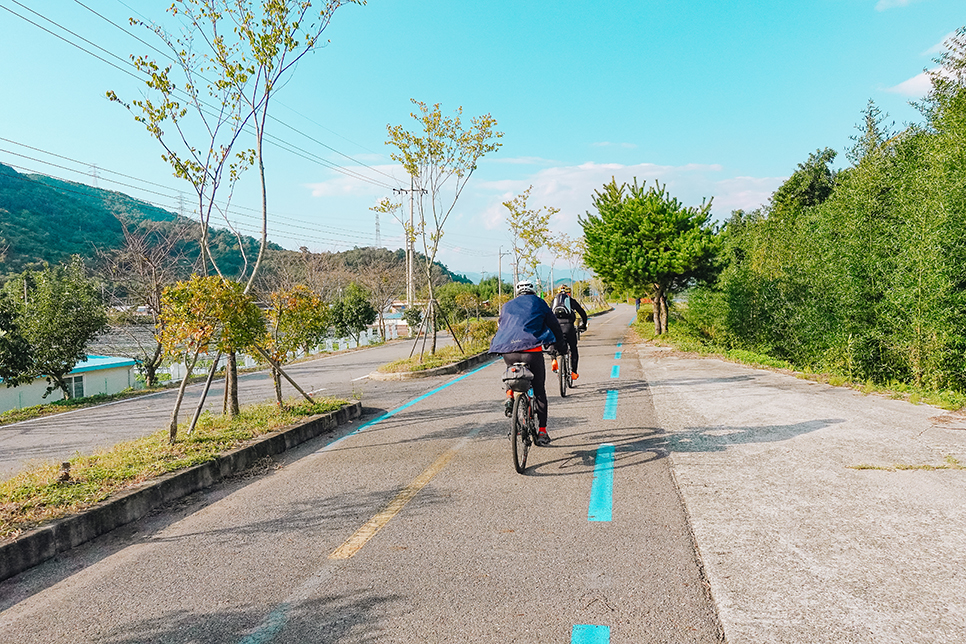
(563, 373)
(520, 431)
(570, 374)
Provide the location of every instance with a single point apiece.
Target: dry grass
(445, 356)
(37, 495)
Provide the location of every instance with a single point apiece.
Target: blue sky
(715, 99)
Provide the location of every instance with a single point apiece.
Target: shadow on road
(329, 618)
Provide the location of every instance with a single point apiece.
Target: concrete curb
(41, 544)
(445, 370)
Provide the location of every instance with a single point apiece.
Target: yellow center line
(354, 544)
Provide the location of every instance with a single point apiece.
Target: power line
(233, 210)
(273, 118)
(337, 237)
(291, 148)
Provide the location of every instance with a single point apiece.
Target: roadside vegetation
(61, 406)
(853, 276)
(40, 494)
(682, 337)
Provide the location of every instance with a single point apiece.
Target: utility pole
(499, 273)
(378, 238)
(410, 251)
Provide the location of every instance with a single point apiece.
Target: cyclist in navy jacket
(526, 325)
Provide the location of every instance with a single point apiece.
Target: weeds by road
(679, 338)
(43, 493)
(60, 406)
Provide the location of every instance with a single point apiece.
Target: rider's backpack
(562, 308)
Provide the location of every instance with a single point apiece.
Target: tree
(151, 258)
(297, 319)
(441, 150)
(644, 241)
(205, 313)
(530, 230)
(352, 312)
(58, 312)
(16, 359)
(247, 50)
(384, 278)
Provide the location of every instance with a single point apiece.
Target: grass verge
(60, 406)
(445, 356)
(949, 464)
(36, 495)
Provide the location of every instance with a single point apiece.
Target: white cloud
(342, 185)
(917, 86)
(571, 188)
(940, 46)
(891, 4)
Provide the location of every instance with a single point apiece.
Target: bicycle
(563, 371)
(523, 426)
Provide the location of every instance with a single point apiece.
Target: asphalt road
(459, 548)
(56, 438)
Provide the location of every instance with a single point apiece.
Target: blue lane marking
(617, 356)
(620, 344)
(631, 323)
(615, 371)
(278, 618)
(410, 403)
(590, 634)
(610, 406)
(602, 489)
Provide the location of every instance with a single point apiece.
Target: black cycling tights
(534, 360)
(570, 332)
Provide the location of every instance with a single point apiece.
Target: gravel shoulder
(798, 544)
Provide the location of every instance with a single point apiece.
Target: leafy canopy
(643, 240)
(58, 311)
(209, 312)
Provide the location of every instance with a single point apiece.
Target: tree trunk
(61, 384)
(277, 377)
(656, 297)
(151, 367)
(664, 315)
(231, 383)
(173, 426)
(432, 312)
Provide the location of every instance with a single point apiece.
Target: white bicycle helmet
(525, 286)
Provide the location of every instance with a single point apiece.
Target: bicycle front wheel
(520, 431)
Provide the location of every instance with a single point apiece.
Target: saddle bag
(518, 377)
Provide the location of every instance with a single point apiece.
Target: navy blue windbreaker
(526, 322)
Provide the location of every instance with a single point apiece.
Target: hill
(43, 219)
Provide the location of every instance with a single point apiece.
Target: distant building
(95, 375)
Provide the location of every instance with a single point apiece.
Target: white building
(95, 375)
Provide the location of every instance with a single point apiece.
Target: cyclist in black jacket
(566, 309)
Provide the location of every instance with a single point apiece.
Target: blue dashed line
(617, 356)
(602, 489)
(615, 371)
(590, 634)
(610, 406)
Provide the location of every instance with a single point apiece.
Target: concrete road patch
(799, 545)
